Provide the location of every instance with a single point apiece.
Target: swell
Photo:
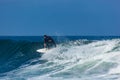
(80, 59)
(15, 53)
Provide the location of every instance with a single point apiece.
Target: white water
(99, 60)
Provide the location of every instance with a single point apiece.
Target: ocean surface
(74, 58)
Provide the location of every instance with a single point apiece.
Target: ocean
(74, 58)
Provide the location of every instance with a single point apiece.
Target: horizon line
(59, 35)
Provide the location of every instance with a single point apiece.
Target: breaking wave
(72, 60)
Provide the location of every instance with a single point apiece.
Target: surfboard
(43, 50)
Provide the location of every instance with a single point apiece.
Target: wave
(15, 53)
(73, 60)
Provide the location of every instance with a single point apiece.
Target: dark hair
(45, 35)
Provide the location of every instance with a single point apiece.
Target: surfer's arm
(54, 43)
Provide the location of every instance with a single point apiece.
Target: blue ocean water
(75, 58)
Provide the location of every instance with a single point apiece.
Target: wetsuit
(49, 42)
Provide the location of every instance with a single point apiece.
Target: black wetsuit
(50, 43)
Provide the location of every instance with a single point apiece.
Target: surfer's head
(45, 36)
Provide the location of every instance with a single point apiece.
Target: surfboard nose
(43, 50)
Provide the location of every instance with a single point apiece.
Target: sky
(59, 17)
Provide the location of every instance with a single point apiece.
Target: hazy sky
(59, 17)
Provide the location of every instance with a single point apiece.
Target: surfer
(49, 42)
